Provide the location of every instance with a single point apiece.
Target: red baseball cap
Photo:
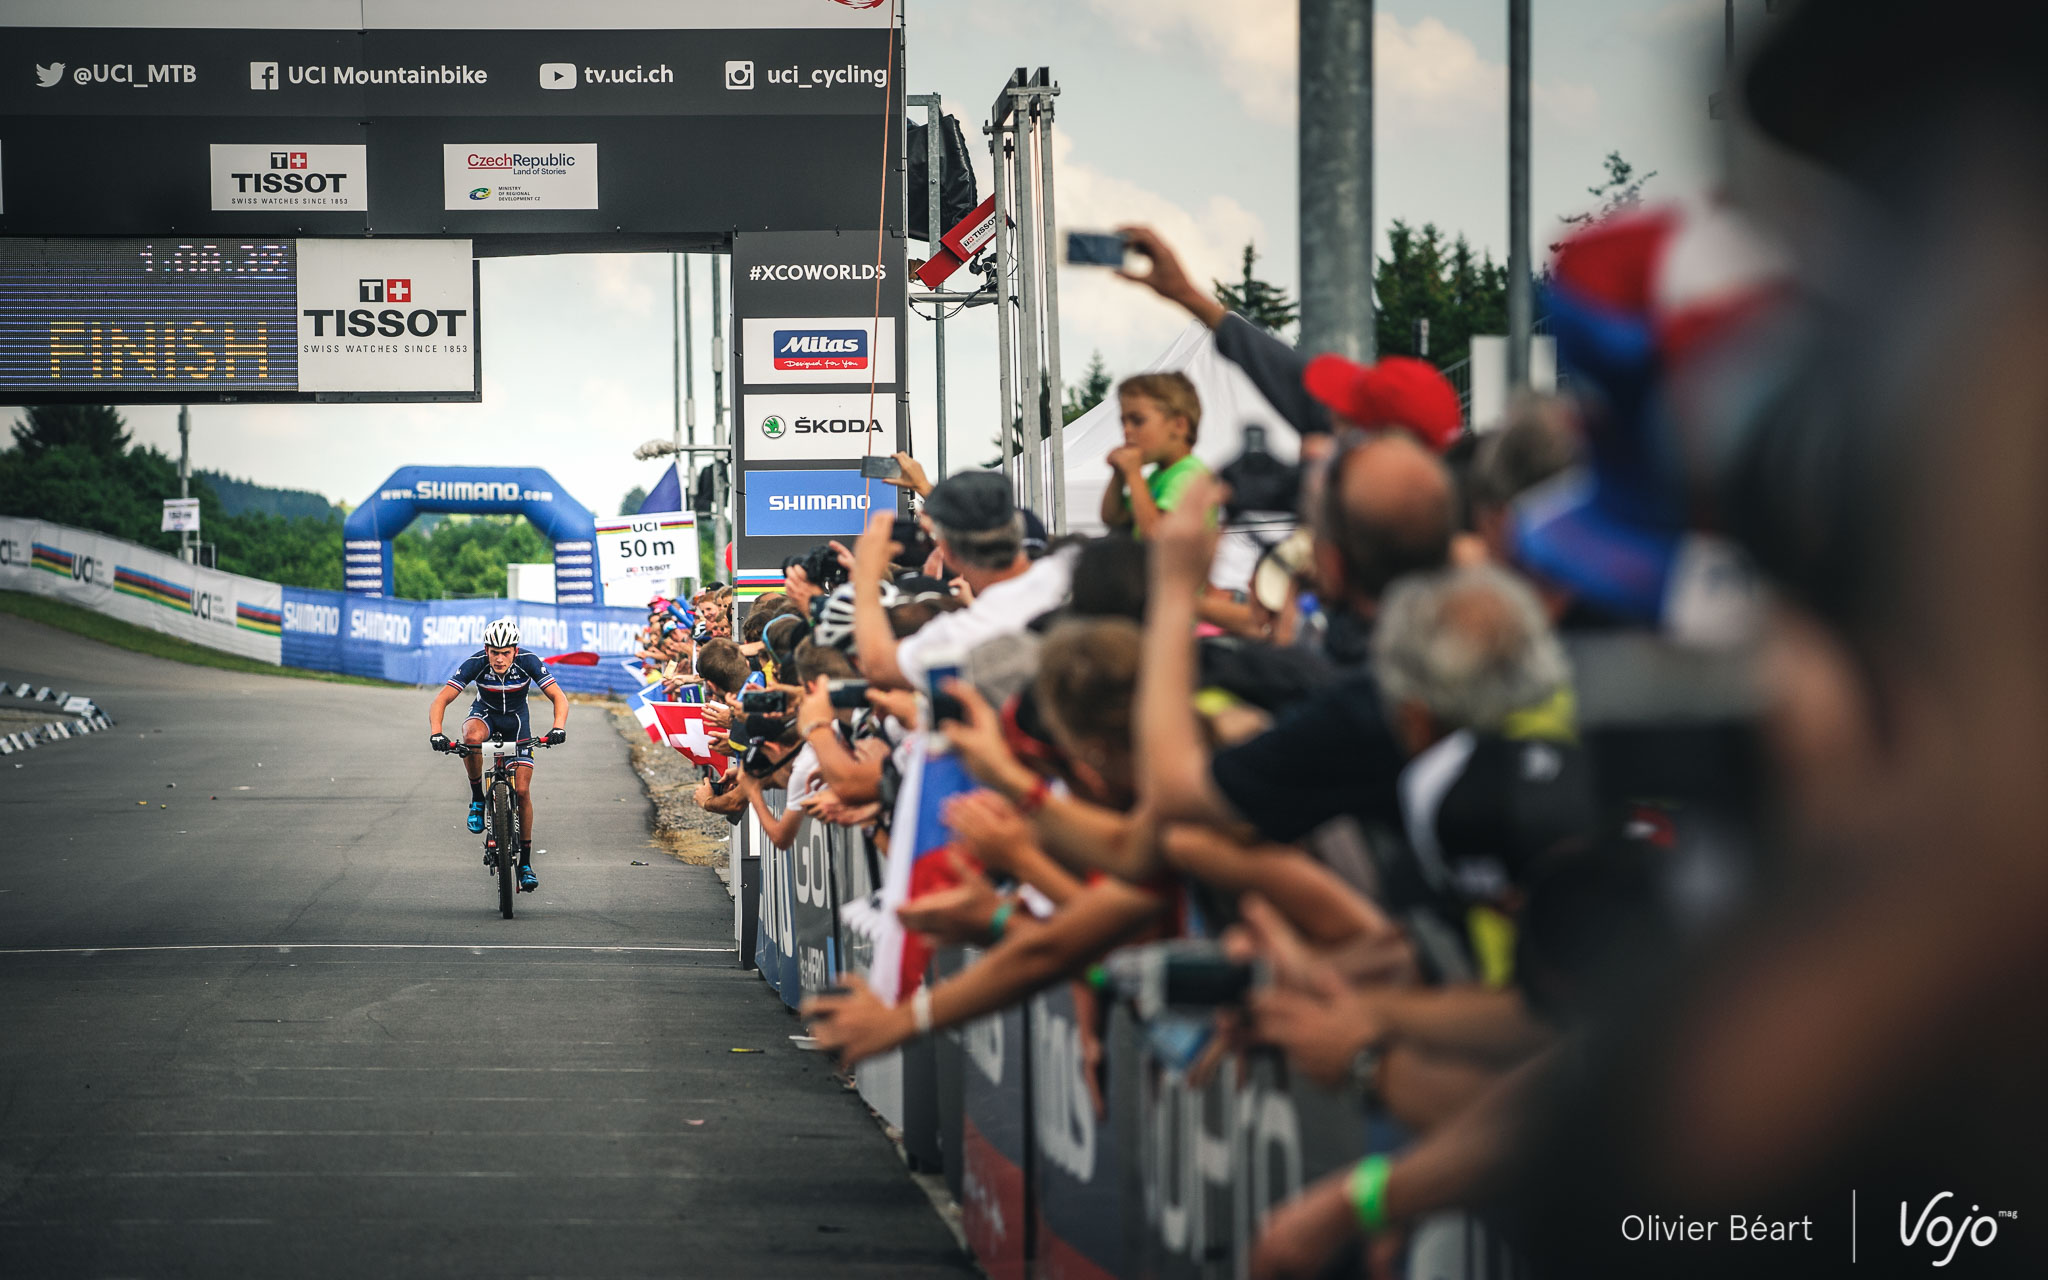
(1397, 392)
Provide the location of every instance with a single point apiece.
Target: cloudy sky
(1179, 113)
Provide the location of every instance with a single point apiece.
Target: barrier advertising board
(148, 588)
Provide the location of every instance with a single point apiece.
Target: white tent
(1229, 404)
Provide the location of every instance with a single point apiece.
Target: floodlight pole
(185, 477)
(719, 439)
(1520, 303)
(1335, 196)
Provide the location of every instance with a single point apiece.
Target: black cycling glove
(556, 737)
(439, 742)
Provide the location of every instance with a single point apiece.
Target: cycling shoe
(476, 817)
(528, 881)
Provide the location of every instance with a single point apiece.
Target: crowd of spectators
(1462, 774)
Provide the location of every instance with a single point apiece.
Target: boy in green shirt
(1161, 414)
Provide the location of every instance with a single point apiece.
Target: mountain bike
(501, 810)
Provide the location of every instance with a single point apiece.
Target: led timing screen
(118, 320)
(188, 320)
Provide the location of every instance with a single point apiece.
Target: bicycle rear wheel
(504, 828)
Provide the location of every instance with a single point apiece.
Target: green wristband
(1369, 1191)
(1000, 920)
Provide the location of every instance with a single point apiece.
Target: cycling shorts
(507, 725)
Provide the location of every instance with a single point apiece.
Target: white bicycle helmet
(501, 634)
(834, 628)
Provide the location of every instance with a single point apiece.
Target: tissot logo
(384, 290)
(287, 159)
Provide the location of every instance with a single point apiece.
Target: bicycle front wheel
(505, 828)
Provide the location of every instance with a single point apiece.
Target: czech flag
(917, 865)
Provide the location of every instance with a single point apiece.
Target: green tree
(97, 428)
(1622, 190)
(1086, 394)
(630, 504)
(1425, 277)
(1257, 300)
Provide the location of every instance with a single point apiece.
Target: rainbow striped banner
(52, 559)
(269, 622)
(752, 584)
(144, 586)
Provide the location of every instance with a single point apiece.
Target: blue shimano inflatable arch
(416, 491)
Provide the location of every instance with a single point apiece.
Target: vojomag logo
(1945, 1235)
(50, 75)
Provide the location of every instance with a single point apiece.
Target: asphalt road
(261, 1016)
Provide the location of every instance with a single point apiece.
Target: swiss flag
(398, 291)
(298, 160)
(682, 726)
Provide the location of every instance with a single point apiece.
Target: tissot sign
(184, 125)
(136, 321)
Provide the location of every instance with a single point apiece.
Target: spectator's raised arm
(1173, 762)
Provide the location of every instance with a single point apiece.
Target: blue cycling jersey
(502, 694)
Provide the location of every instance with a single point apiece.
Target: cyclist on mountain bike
(503, 676)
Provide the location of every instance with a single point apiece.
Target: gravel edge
(681, 829)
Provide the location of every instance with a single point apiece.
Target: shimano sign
(415, 491)
(811, 504)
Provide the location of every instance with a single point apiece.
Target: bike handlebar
(477, 748)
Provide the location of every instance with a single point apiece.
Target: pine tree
(1257, 300)
(97, 428)
(1089, 392)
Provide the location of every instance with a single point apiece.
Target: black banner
(692, 133)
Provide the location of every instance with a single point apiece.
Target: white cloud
(1126, 321)
(1253, 45)
(1425, 73)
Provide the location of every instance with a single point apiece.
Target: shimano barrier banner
(422, 641)
(818, 322)
(148, 588)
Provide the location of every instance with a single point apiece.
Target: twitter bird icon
(47, 76)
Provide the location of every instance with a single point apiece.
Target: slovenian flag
(932, 775)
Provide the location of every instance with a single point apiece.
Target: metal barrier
(1062, 1170)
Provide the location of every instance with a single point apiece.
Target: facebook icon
(263, 75)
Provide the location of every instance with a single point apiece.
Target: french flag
(932, 775)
